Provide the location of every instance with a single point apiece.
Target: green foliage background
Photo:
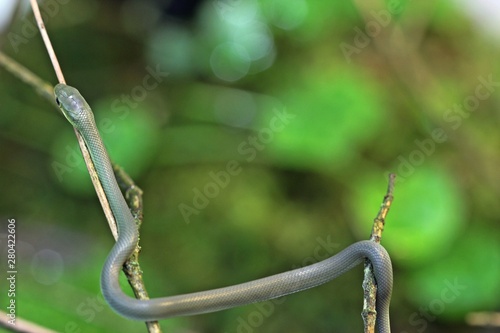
(360, 107)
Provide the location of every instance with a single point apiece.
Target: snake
(80, 115)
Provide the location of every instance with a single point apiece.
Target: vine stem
(46, 40)
(369, 313)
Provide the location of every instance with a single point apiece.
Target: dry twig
(369, 312)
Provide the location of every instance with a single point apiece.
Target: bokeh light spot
(47, 266)
(230, 61)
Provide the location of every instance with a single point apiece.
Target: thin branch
(379, 221)
(83, 148)
(21, 325)
(369, 312)
(46, 40)
(131, 268)
(43, 88)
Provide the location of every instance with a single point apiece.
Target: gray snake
(80, 115)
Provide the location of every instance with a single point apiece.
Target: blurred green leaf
(333, 116)
(450, 288)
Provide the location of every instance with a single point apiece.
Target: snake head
(71, 102)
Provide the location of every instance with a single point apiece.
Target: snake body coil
(80, 115)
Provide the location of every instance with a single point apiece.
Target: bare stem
(43, 88)
(46, 40)
(86, 154)
(369, 313)
(131, 268)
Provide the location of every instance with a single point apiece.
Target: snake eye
(58, 102)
